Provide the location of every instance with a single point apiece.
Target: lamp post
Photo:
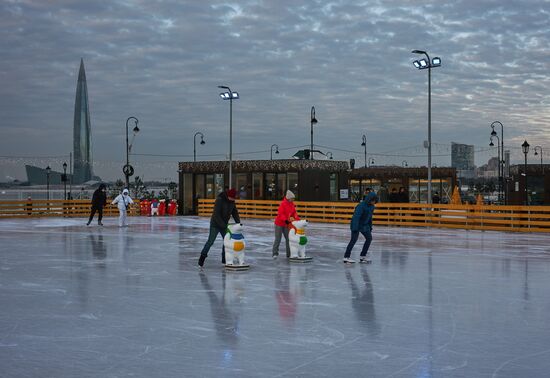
(491, 144)
(65, 180)
(230, 95)
(541, 166)
(276, 150)
(48, 171)
(404, 164)
(525, 148)
(364, 144)
(423, 64)
(371, 162)
(313, 122)
(195, 144)
(128, 169)
(501, 161)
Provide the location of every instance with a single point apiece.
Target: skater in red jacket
(285, 215)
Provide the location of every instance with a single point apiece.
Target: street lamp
(48, 171)
(404, 163)
(364, 144)
(541, 166)
(423, 64)
(276, 150)
(230, 95)
(128, 169)
(65, 180)
(313, 122)
(491, 144)
(501, 161)
(525, 148)
(195, 144)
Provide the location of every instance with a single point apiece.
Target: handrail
(57, 208)
(471, 217)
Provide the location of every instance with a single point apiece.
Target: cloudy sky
(161, 61)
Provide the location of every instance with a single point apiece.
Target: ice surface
(79, 301)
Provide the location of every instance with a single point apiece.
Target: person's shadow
(362, 301)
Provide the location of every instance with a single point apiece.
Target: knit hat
(289, 195)
(231, 193)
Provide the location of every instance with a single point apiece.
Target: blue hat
(371, 196)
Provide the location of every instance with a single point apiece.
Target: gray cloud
(161, 61)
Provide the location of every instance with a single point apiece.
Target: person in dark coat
(224, 208)
(394, 197)
(403, 195)
(99, 200)
(361, 222)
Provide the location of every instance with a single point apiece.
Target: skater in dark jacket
(99, 200)
(224, 208)
(361, 222)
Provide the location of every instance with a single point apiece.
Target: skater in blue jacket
(361, 222)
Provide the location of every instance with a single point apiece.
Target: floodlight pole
(429, 122)
(230, 132)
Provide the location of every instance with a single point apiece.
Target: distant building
(462, 159)
(82, 132)
(310, 180)
(82, 142)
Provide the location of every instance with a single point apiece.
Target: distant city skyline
(162, 63)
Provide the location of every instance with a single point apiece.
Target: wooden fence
(471, 217)
(56, 208)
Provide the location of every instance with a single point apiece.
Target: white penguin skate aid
(235, 244)
(298, 240)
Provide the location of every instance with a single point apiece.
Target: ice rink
(81, 301)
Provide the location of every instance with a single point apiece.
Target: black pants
(354, 237)
(100, 212)
(214, 231)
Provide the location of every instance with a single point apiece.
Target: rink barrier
(57, 208)
(471, 217)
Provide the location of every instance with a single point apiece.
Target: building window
(334, 187)
(210, 193)
(199, 186)
(187, 193)
(257, 186)
(293, 183)
(218, 183)
(355, 189)
(242, 183)
(281, 185)
(270, 186)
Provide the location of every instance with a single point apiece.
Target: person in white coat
(123, 202)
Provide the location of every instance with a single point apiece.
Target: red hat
(231, 193)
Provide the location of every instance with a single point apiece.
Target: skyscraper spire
(82, 132)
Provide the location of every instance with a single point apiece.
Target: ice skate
(347, 260)
(365, 260)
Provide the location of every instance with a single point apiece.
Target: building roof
(279, 165)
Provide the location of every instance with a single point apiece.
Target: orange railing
(472, 217)
(56, 208)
